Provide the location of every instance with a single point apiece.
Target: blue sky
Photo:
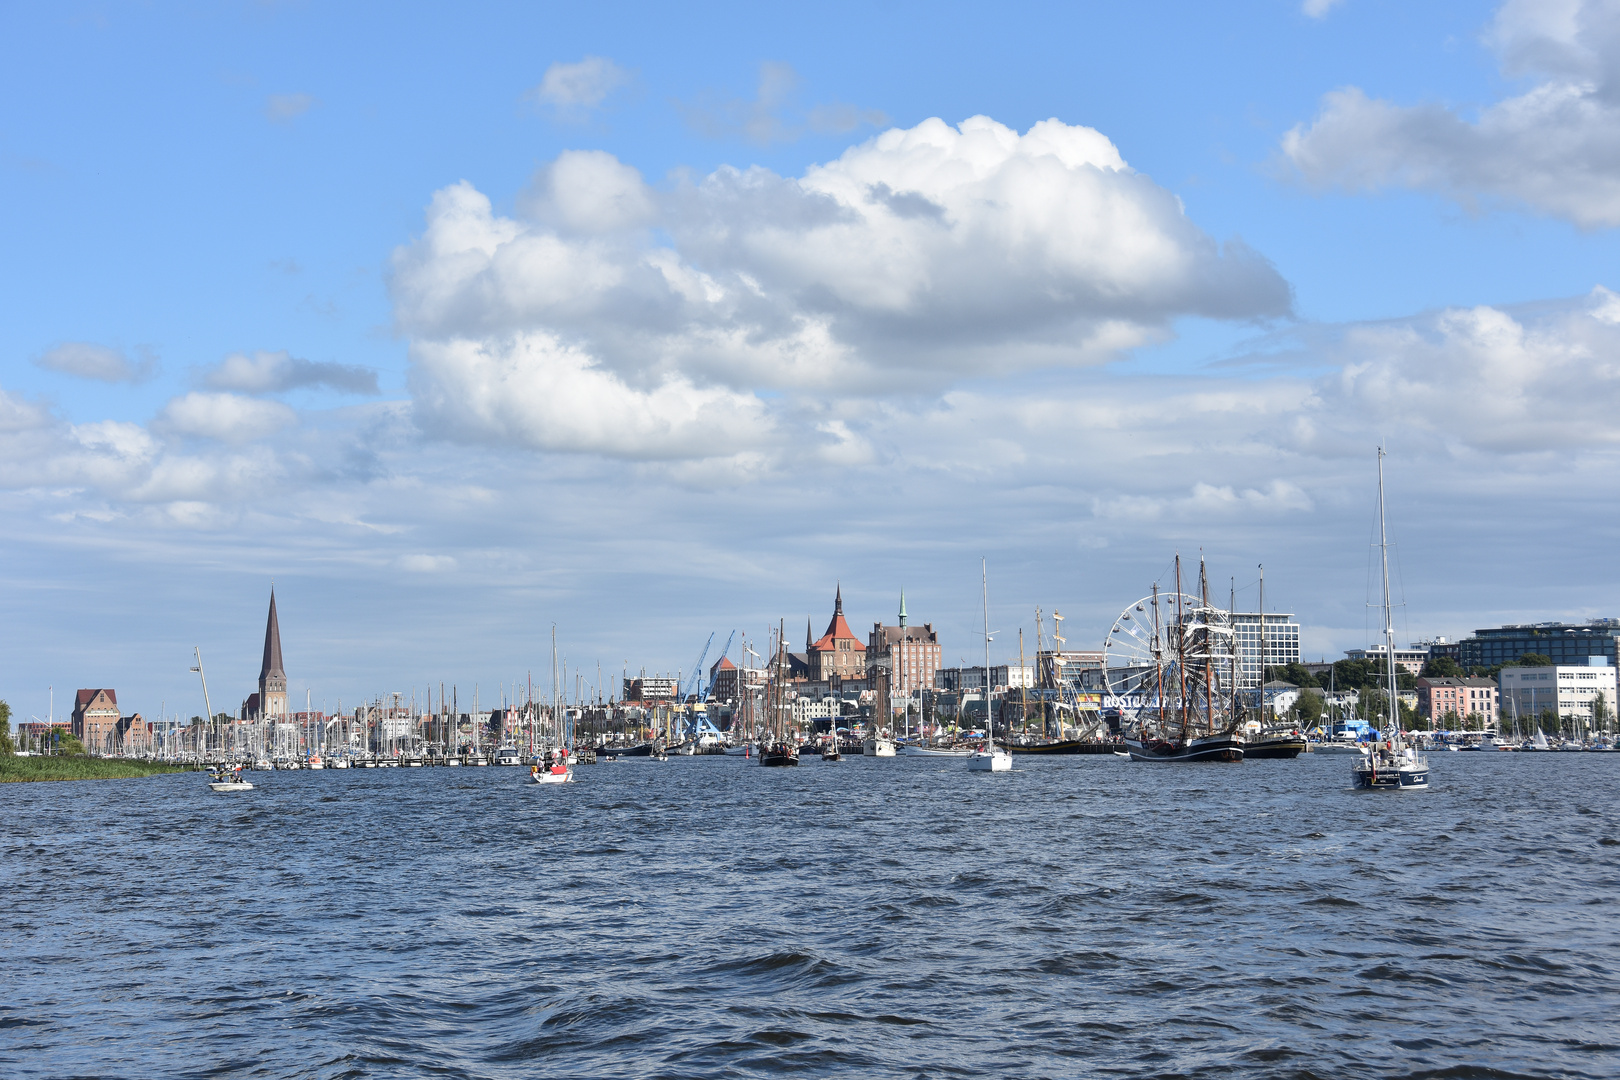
(651, 322)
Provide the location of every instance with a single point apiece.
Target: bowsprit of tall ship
(1389, 765)
(1171, 661)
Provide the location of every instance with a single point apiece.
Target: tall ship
(778, 744)
(1172, 662)
(1389, 764)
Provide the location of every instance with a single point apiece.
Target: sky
(647, 322)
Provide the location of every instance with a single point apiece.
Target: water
(897, 917)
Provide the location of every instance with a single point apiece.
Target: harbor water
(704, 917)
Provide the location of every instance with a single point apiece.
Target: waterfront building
(646, 687)
(907, 655)
(1075, 670)
(1412, 658)
(1563, 643)
(807, 709)
(1465, 697)
(723, 680)
(1282, 644)
(838, 652)
(1002, 677)
(95, 720)
(270, 702)
(1570, 690)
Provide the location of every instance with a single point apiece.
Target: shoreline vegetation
(15, 769)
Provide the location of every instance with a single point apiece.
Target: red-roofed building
(723, 680)
(838, 652)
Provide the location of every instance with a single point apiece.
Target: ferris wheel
(1172, 656)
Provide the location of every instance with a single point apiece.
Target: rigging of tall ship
(1172, 666)
(778, 745)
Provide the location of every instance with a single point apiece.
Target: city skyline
(460, 328)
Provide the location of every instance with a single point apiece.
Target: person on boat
(534, 770)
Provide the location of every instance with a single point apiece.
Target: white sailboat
(990, 757)
(1389, 765)
(557, 769)
(878, 744)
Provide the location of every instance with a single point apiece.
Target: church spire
(838, 600)
(902, 607)
(272, 645)
(808, 640)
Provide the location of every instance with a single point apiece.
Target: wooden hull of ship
(777, 757)
(1068, 746)
(1207, 748)
(1275, 746)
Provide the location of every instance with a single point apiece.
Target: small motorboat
(223, 779)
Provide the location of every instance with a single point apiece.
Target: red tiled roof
(836, 630)
(87, 696)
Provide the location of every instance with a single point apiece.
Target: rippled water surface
(896, 917)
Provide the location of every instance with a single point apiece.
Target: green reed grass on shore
(14, 769)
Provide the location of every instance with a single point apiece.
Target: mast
(1209, 648)
(1023, 687)
(1181, 650)
(1158, 655)
(1389, 618)
(1262, 645)
(989, 724)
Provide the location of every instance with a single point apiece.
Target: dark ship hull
(1206, 748)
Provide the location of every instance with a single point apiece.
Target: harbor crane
(697, 673)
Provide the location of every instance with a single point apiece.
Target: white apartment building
(806, 709)
(1282, 644)
(1568, 690)
(1412, 658)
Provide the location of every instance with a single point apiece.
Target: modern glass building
(1566, 643)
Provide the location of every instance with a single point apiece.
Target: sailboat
(880, 743)
(989, 757)
(1389, 765)
(556, 769)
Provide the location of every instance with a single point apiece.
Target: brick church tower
(272, 679)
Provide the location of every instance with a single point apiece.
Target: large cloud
(1555, 148)
(915, 259)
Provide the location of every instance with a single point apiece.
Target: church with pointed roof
(837, 652)
(271, 700)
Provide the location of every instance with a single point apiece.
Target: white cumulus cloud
(1554, 148)
(229, 418)
(915, 259)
